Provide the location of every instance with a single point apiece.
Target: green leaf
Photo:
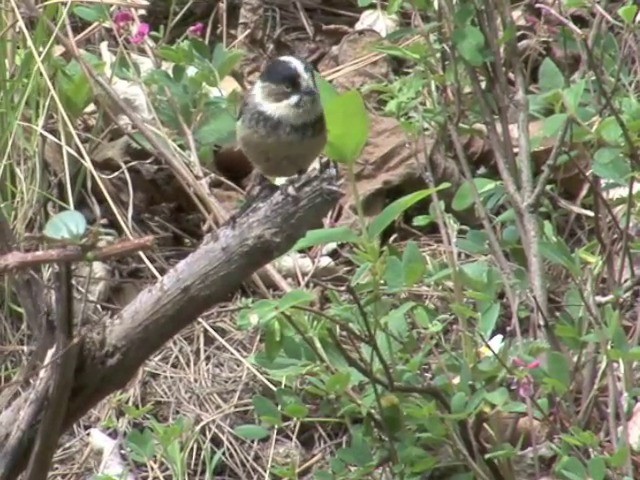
(573, 95)
(572, 469)
(610, 131)
(394, 273)
(95, 13)
(488, 319)
(347, 125)
(141, 445)
(296, 410)
(553, 125)
(611, 164)
(497, 397)
(218, 128)
(469, 41)
(295, 298)
(511, 235)
(323, 236)
(558, 368)
(327, 91)
(628, 14)
(266, 410)
(463, 198)
(223, 60)
(413, 264)
(458, 402)
(251, 432)
(597, 468)
(550, 76)
(338, 382)
(66, 225)
(272, 339)
(558, 253)
(74, 88)
(621, 455)
(291, 403)
(359, 453)
(396, 208)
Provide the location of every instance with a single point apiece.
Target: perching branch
(110, 352)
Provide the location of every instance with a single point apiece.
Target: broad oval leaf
(470, 43)
(611, 164)
(551, 77)
(66, 225)
(251, 432)
(347, 125)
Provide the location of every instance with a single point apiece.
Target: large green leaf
(322, 236)
(395, 209)
(348, 127)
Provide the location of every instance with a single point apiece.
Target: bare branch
(21, 260)
(60, 381)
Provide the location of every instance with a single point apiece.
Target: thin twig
(22, 260)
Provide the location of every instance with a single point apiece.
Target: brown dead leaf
(112, 155)
(633, 432)
(52, 154)
(525, 430)
(390, 168)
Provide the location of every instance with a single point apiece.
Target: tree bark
(110, 353)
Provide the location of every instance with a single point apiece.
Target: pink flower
(533, 365)
(141, 34)
(196, 30)
(518, 362)
(122, 18)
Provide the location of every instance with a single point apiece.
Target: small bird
(281, 127)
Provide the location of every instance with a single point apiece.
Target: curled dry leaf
(92, 279)
(633, 429)
(378, 20)
(291, 264)
(112, 463)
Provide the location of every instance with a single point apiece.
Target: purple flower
(122, 18)
(141, 34)
(197, 30)
(525, 387)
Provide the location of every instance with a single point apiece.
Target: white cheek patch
(286, 110)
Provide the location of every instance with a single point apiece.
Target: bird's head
(287, 89)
